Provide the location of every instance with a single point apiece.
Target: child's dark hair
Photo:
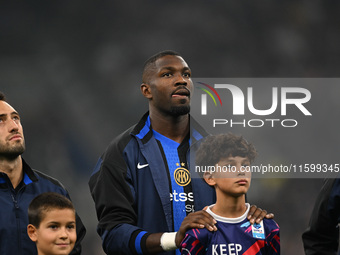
(216, 147)
(46, 202)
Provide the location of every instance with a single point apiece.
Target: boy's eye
(229, 167)
(53, 227)
(166, 75)
(71, 226)
(187, 74)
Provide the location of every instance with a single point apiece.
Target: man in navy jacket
(322, 234)
(141, 204)
(19, 184)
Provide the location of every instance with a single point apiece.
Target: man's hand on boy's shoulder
(202, 219)
(199, 219)
(257, 214)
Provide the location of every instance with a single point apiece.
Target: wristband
(168, 241)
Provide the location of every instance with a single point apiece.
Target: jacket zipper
(16, 206)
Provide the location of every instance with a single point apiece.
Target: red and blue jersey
(235, 236)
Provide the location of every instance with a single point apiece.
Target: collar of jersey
(229, 220)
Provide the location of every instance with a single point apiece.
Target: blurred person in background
(322, 234)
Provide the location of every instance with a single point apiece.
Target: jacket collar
(143, 130)
(28, 178)
(29, 175)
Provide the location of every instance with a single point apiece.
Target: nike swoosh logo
(139, 166)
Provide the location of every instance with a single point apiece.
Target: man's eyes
(166, 74)
(187, 75)
(15, 118)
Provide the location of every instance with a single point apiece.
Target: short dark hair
(46, 202)
(216, 147)
(2, 96)
(149, 62)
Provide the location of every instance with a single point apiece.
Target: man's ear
(146, 90)
(32, 232)
(208, 177)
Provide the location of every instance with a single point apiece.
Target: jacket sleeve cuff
(137, 243)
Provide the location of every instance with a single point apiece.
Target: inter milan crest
(182, 176)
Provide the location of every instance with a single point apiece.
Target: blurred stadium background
(73, 68)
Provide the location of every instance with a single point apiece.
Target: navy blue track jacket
(322, 234)
(130, 188)
(14, 239)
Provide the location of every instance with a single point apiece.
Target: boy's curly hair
(216, 147)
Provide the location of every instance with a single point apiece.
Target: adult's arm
(114, 200)
(113, 192)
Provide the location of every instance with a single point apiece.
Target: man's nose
(181, 80)
(13, 126)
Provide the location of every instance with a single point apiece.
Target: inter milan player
(224, 164)
(141, 206)
(19, 184)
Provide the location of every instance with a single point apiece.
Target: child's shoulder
(271, 224)
(271, 229)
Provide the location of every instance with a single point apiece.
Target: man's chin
(180, 110)
(13, 152)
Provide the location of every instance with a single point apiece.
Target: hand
(200, 219)
(257, 214)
